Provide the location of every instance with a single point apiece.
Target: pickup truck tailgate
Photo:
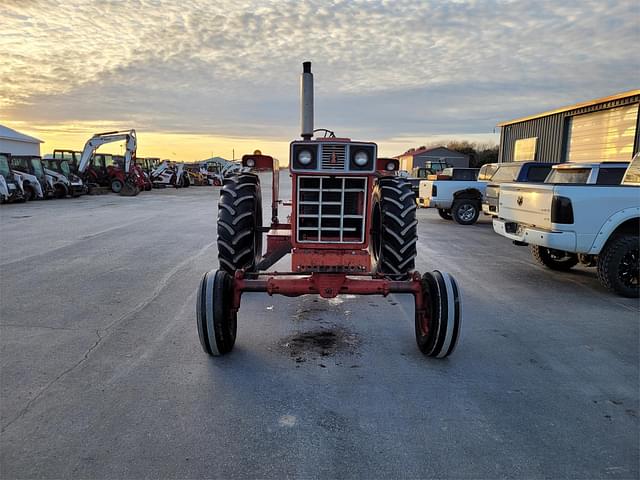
(527, 205)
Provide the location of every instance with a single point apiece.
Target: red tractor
(352, 230)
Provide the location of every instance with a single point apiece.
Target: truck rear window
(487, 171)
(538, 173)
(568, 175)
(610, 176)
(465, 174)
(506, 173)
(632, 177)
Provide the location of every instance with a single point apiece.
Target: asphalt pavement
(102, 374)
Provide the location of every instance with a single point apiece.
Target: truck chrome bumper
(430, 203)
(565, 241)
(489, 209)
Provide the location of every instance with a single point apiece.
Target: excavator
(130, 187)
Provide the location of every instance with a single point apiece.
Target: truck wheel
(439, 323)
(240, 223)
(394, 231)
(444, 213)
(217, 322)
(116, 185)
(465, 211)
(554, 259)
(618, 266)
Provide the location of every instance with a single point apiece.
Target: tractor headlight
(305, 157)
(250, 162)
(361, 158)
(391, 166)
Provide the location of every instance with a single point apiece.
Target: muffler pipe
(306, 101)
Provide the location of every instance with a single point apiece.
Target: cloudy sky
(197, 77)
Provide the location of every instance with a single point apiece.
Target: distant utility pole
(233, 154)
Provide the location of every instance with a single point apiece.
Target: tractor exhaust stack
(306, 101)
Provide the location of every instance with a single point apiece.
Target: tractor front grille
(331, 209)
(333, 156)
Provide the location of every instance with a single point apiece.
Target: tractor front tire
(240, 223)
(618, 267)
(394, 231)
(554, 259)
(217, 322)
(439, 323)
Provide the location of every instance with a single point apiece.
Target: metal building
(417, 157)
(16, 143)
(605, 129)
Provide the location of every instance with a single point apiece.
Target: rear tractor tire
(619, 267)
(554, 259)
(240, 223)
(394, 233)
(465, 211)
(445, 213)
(439, 324)
(217, 322)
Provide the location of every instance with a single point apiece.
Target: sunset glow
(211, 78)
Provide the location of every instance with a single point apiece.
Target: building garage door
(603, 136)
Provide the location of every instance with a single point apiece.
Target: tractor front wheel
(439, 321)
(394, 232)
(240, 223)
(217, 322)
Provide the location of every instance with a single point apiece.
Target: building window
(525, 149)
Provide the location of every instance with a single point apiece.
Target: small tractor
(352, 230)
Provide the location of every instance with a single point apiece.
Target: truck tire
(554, 259)
(465, 211)
(240, 223)
(618, 267)
(444, 213)
(394, 232)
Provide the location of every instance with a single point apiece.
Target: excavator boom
(129, 136)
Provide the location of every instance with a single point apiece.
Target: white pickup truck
(456, 193)
(582, 214)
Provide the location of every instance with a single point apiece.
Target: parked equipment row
(73, 173)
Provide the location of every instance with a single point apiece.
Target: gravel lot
(103, 376)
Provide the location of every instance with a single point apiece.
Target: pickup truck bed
(569, 223)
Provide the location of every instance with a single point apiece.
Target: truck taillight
(561, 210)
(434, 190)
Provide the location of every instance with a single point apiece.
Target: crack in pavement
(162, 284)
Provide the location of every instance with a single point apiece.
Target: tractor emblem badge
(520, 200)
(334, 160)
